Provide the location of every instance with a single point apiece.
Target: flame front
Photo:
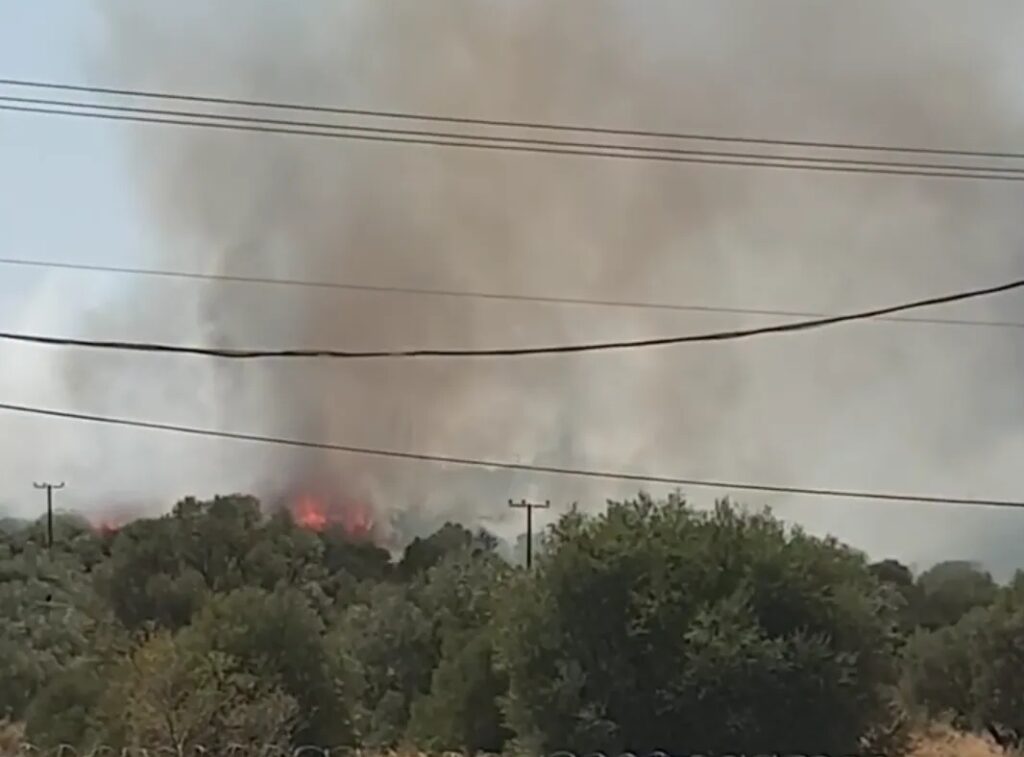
(310, 512)
(107, 527)
(318, 513)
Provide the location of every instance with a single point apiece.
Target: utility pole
(529, 507)
(49, 509)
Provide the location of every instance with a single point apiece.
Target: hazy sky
(909, 408)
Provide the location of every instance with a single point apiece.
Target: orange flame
(317, 514)
(112, 519)
(309, 512)
(107, 528)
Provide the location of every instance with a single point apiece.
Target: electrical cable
(716, 336)
(641, 150)
(480, 295)
(532, 125)
(512, 145)
(513, 466)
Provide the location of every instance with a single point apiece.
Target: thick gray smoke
(874, 406)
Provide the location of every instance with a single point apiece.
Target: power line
(641, 150)
(526, 146)
(524, 467)
(716, 336)
(481, 295)
(533, 125)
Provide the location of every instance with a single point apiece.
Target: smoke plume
(875, 406)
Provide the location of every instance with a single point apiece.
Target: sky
(906, 408)
(62, 187)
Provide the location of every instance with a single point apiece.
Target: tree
(386, 651)
(423, 554)
(144, 580)
(65, 710)
(172, 696)
(939, 672)
(949, 590)
(899, 579)
(278, 636)
(281, 553)
(462, 711)
(44, 598)
(214, 537)
(362, 560)
(657, 627)
(970, 672)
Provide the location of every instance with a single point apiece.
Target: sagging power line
(589, 473)
(482, 295)
(513, 144)
(505, 123)
(717, 336)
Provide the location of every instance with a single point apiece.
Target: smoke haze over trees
(904, 407)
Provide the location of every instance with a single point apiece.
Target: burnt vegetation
(650, 626)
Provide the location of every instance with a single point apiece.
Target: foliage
(46, 626)
(651, 626)
(385, 650)
(279, 637)
(65, 710)
(461, 710)
(971, 672)
(171, 695)
(423, 554)
(655, 627)
(950, 590)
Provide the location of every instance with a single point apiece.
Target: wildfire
(112, 519)
(107, 528)
(318, 513)
(309, 512)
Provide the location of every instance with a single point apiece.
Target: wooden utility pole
(529, 507)
(49, 509)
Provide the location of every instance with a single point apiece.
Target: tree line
(651, 625)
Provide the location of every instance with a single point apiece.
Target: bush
(655, 627)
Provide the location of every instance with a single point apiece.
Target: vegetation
(650, 626)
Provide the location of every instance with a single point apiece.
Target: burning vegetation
(109, 521)
(314, 509)
(317, 512)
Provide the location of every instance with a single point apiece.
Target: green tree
(462, 711)
(278, 636)
(45, 603)
(949, 590)
(422, 554)
(213, 538)
(144, 580)
(65, 711)
(386, 650)
(970, 672)
(362, 560)
(281, 553)
(940, 671)
(908, 595)
(173, 696)
(657, 627)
